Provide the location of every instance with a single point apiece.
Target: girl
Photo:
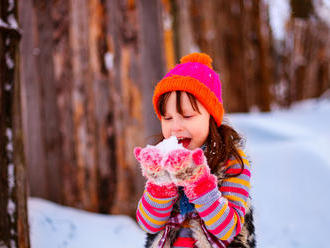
(197, 196)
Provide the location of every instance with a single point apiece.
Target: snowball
(168, 145)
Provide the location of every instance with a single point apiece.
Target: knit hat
(195, 75)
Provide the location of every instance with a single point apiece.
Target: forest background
(77, 79)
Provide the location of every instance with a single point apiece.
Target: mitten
(150, 159)
(159, 183)
(190, 170)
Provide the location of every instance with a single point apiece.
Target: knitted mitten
(190, 170)
(159, 183)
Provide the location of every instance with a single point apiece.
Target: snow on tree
(13, 211)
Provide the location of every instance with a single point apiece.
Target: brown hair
(222, 142)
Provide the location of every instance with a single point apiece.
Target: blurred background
(77, 79)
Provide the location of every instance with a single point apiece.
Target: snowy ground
(55, 226)
(290, 154)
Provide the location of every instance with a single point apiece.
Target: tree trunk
(187, 43)
(168, 30)
(39, 96)
(237, 36)
(97, 62)
(152, 59)
(14, 230)
(305, 69)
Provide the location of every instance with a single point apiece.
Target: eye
(187, 116)
(167, 118)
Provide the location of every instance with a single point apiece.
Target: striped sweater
(222, 209)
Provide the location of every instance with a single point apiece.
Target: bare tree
(14, 230)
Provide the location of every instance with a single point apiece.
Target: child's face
(193, 126)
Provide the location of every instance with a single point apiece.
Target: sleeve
(155, 206)
(223, 210)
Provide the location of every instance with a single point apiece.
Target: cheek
(165, 130)
(201, 133)
(201, 130)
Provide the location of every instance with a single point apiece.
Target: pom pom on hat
(202, 58)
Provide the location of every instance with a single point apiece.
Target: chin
(191, 147)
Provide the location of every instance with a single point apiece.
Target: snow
(11, 208)
(108, 60)
(11, 177)
(168, 145)
(12, 21)
(3, 24)
(289, 150)
(11, 5)
(9, 133)
(7, 87)
(55, 226)
(10, 147)
(10, 63)
(167, 21)
(279, 12)
(12, 243)
(290, 154)
(322, 8)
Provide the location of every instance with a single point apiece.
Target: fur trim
(153, 239)
(246, 237)
(198, 235)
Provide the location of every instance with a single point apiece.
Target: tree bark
(305, 67)
(237, 36)
(152, 59)
(102, 70)
(14, 231)
(39, 97)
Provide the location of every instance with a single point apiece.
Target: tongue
(185, 142)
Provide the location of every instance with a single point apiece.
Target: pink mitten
(150, 160)
(189, 169)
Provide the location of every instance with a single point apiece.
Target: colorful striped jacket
(223, 209)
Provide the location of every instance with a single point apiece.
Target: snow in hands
(160, 164)
(152, 160)
(168, 145)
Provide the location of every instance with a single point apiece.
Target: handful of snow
(168, 145)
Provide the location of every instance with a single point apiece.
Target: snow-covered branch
(11, 26)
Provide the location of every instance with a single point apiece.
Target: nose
(176, 126)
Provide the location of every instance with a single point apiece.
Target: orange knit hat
(195, 75)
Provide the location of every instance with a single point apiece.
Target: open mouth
(184, 141)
